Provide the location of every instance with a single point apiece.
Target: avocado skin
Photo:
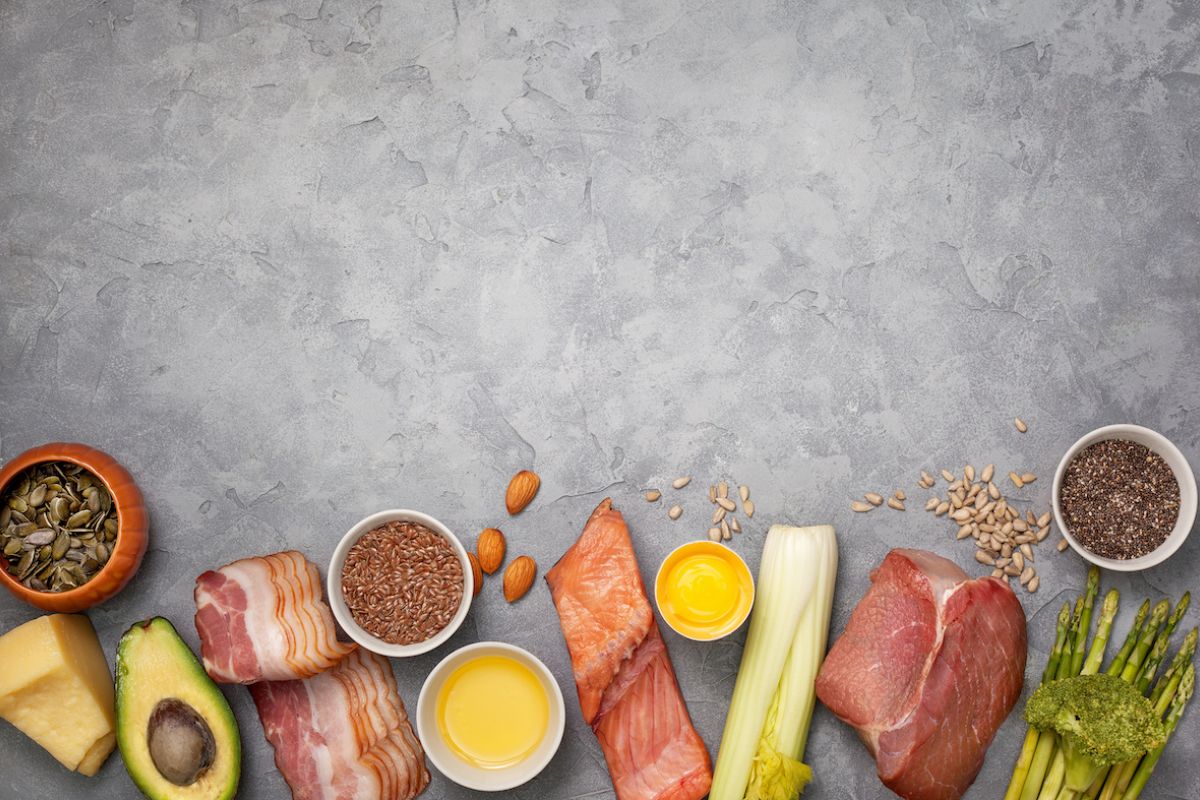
(153, 664)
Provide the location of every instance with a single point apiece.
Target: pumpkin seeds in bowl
(58, 526)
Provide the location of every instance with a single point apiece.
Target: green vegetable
(1131, 640)
(1100, 720)
(1147, 765)
(1021, 770)
(767, 724)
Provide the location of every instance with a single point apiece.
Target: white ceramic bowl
(338, 602)
(469, 775)
(1187, 495)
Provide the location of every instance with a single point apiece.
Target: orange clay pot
(133, 527)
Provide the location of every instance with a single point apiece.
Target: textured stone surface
(293, 263)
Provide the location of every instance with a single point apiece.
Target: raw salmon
(623, 673)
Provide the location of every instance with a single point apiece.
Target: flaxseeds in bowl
(402, 582)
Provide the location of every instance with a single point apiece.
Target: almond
(490, 547)
(518, 578)
(476, 574)
(521, 490)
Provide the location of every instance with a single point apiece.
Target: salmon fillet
(626, 683)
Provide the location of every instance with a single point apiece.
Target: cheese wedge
(57, 689)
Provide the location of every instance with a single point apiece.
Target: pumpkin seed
(80, 517)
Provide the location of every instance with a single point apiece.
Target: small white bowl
(1187, 495)
(337, 600)
(468, 775)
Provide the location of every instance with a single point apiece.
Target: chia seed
(1119, 499)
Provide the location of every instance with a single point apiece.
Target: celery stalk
(772, 699)
(778, 772)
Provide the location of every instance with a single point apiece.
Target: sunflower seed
(679, 483)
(1020, 423)
(733, 523)
(1034, 583)
(675, 512)
(718, 515)
(895, 503)
(873, 498)
(984, 557)
(748, 507)
(722, 489)
(860, 506)
(652, 496)
(931, 504)
(726, 533)
(744, 492)
(714, 534)
(1028, 477)
(948, 475)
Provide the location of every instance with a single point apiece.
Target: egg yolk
(703, 594)
(493, 712)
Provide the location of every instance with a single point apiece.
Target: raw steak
(930, 664)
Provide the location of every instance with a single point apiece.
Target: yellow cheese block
(56, 687)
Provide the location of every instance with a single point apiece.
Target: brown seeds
(521, 490)
(402, 582)
(518, 578)
(490, 547)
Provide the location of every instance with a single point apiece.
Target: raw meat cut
(930, 664)
(343, 734)
(265, 618)
(623, 673)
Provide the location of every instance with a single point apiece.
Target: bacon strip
(265, 618)
(626, 683)
(343, 734)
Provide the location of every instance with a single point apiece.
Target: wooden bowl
(133, 527)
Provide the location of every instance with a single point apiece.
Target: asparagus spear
(1153, 661)
(1108, 612)
(1085, 622)
(1182, 696)
(1149, 634)
(1131, 640)
(1031, 735)
(1183, 657)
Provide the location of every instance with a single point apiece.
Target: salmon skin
(626, 683)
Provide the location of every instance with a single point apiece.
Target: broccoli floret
(1100, 720)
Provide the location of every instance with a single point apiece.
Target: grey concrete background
(293, 263)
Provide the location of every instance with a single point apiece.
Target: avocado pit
(180, 742)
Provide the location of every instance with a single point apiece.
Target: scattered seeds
(874, 499)
(896, 504)
(726, 503)
(1062, 545)
(931, 504)
(900, 495)
(1028, 477)
(714, 534)
(718, 515)
(652, 496)
(675, 512)
(988, 471)
(984, 557)
(744, 492)
(679, 483)
(726, 533)
(748, 507)
(733, 523)
(1034, 583)
(1020, 423)
(948, 475)
(860, 506)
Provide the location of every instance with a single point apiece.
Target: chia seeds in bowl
(1120, 499)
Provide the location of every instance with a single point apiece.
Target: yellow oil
(493, 711)
(705, 591)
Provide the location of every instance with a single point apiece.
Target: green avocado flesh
(176, 732)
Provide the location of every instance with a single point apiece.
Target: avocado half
(177, 734)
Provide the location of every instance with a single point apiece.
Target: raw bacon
(264, 618)
(623, 673)
(343, 734)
